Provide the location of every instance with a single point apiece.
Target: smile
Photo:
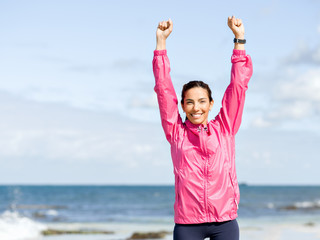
(196, 115)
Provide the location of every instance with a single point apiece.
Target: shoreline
(250, 229)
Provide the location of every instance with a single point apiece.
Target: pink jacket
(206, 186)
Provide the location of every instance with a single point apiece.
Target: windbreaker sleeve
(167, 98)
(234, 97)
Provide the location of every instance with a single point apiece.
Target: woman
(203, 153)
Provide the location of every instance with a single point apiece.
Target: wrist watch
(237, 40)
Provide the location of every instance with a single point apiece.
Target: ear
(182, 106)
(211, 104)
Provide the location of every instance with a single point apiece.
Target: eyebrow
(193, 100)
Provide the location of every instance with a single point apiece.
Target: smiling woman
(203, 153)
(196, 101)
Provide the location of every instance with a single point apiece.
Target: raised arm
(167, 98)
(230, 114)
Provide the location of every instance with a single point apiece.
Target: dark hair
(193, 84)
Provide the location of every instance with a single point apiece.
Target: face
(197, 105)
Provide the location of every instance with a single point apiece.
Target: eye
(202, 101)
(189, 103)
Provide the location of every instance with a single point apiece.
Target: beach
(117, 212)
(261, 229)
(306, 228)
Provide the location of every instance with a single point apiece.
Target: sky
(77, 104)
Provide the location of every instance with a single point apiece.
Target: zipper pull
(206, 129)
(199, 129)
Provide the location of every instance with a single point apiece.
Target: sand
(249, 230)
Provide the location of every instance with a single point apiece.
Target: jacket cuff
(160, 52)
(239, 53)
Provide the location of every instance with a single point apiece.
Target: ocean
(26, 210)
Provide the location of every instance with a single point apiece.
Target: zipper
(201, 134)
(205, 190)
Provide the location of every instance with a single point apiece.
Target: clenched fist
(164, 29)
(236, 25)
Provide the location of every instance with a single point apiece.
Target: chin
(197, 121)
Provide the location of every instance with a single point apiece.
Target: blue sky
(77, 101)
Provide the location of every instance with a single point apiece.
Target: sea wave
(270, 205)
(304, 205)
(13, 226)
(39, 206)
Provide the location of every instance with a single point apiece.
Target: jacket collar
(196, 128)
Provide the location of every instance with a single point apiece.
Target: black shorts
(228, 230)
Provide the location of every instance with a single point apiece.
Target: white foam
(13, 226)
(308, 204)
(270, 205)
(52, 212)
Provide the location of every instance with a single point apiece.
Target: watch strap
(237, 40)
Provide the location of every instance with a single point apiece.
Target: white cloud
(261, 122)
(262, 156)
(304, 54)
(269, 156)
(86, 69)
(144, 101)
(130, 65)
(294, 110)
(36, 135)
(39, 142)
(293, 98)
(305, 87)
(297, 98)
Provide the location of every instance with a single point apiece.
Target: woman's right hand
(236, 26)
(163, 31)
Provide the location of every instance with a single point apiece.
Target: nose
(196, 107)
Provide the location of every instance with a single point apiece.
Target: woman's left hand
(236, 25)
